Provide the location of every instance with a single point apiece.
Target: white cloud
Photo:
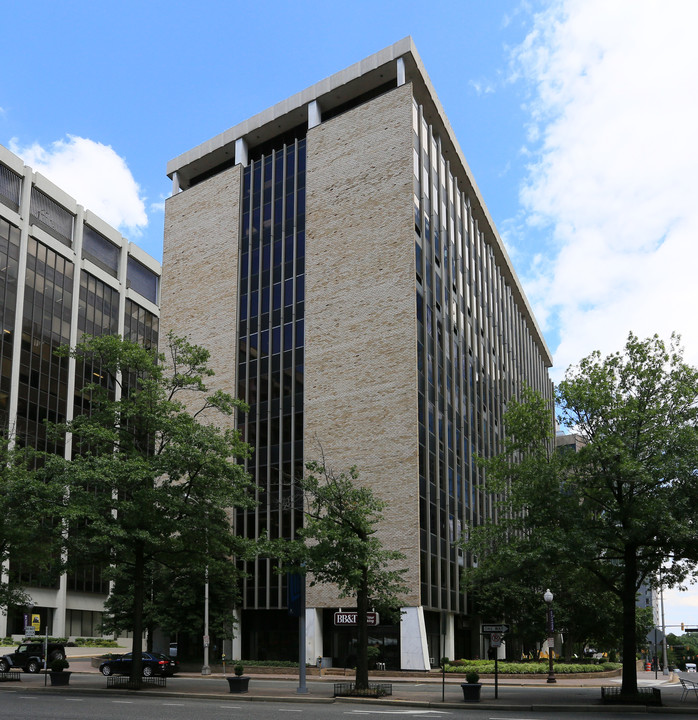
(613, 172)
(680, 606)
(159, 207)
(482, 87)
(94, 175)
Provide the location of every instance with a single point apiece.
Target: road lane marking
(397, 712)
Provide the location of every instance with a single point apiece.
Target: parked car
(153, 664)
(29, 657)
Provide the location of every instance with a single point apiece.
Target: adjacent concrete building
(335, 254)
(64, 272)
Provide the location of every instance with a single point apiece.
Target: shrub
(275, 663)
(239, 669)
(95, 642)
(472, 677)
(59, 665)
(524, 668)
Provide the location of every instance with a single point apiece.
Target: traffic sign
(495, 628)
(496, 639)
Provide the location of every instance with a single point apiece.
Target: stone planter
(60, 678)
(471, 691)
(238, 683)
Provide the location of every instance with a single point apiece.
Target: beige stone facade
(360, 361)
(200, 269)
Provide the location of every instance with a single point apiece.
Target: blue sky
(577, 117)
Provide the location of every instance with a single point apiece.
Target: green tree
(30, 530)
(521, 554)
(625, 503)
(174, 599)
(338, 544)
(152, 479)
(635, 475)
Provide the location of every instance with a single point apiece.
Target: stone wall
(200, 272)
(360, 321)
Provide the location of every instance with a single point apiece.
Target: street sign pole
(496, 676)
(496, 642)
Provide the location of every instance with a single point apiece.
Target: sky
(578, 119)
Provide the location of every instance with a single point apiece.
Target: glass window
(10, 187)
(142, 280)
(51, 217)
(100, 251)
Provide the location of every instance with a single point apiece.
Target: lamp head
(548, 596)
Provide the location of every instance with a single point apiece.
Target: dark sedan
(153, 664)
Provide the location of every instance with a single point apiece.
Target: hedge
(525, 668)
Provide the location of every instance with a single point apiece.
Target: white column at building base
(450, 638)
(313, 635)
(5, 576)
(414, 652)
(236, 649)
(59, 616)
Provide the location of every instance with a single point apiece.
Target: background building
(335, 255)
(63, 273)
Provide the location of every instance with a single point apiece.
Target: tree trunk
(362, 633)
(138, 598)
(628, 600)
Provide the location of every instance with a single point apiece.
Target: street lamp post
(206, 669)
(548, 597)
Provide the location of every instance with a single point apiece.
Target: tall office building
(336, 256)
(63, 273)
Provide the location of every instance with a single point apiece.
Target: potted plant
(238, 683)
(471, 687)
(56, 672)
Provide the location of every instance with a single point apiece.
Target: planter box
(376, 690)
(124, 681)
(238, 683)
(471, 691)
(644, 696)
(60, 678)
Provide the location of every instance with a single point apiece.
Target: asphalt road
(189, 695)
(60, 706)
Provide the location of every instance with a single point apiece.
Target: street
(60, 706)
(193, 696)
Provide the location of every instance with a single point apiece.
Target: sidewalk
(567, 695)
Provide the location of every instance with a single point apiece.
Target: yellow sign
(36, 621)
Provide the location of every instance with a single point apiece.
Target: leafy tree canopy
(152, 477)
(624, 505)
(30, 529)
(339, 544)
